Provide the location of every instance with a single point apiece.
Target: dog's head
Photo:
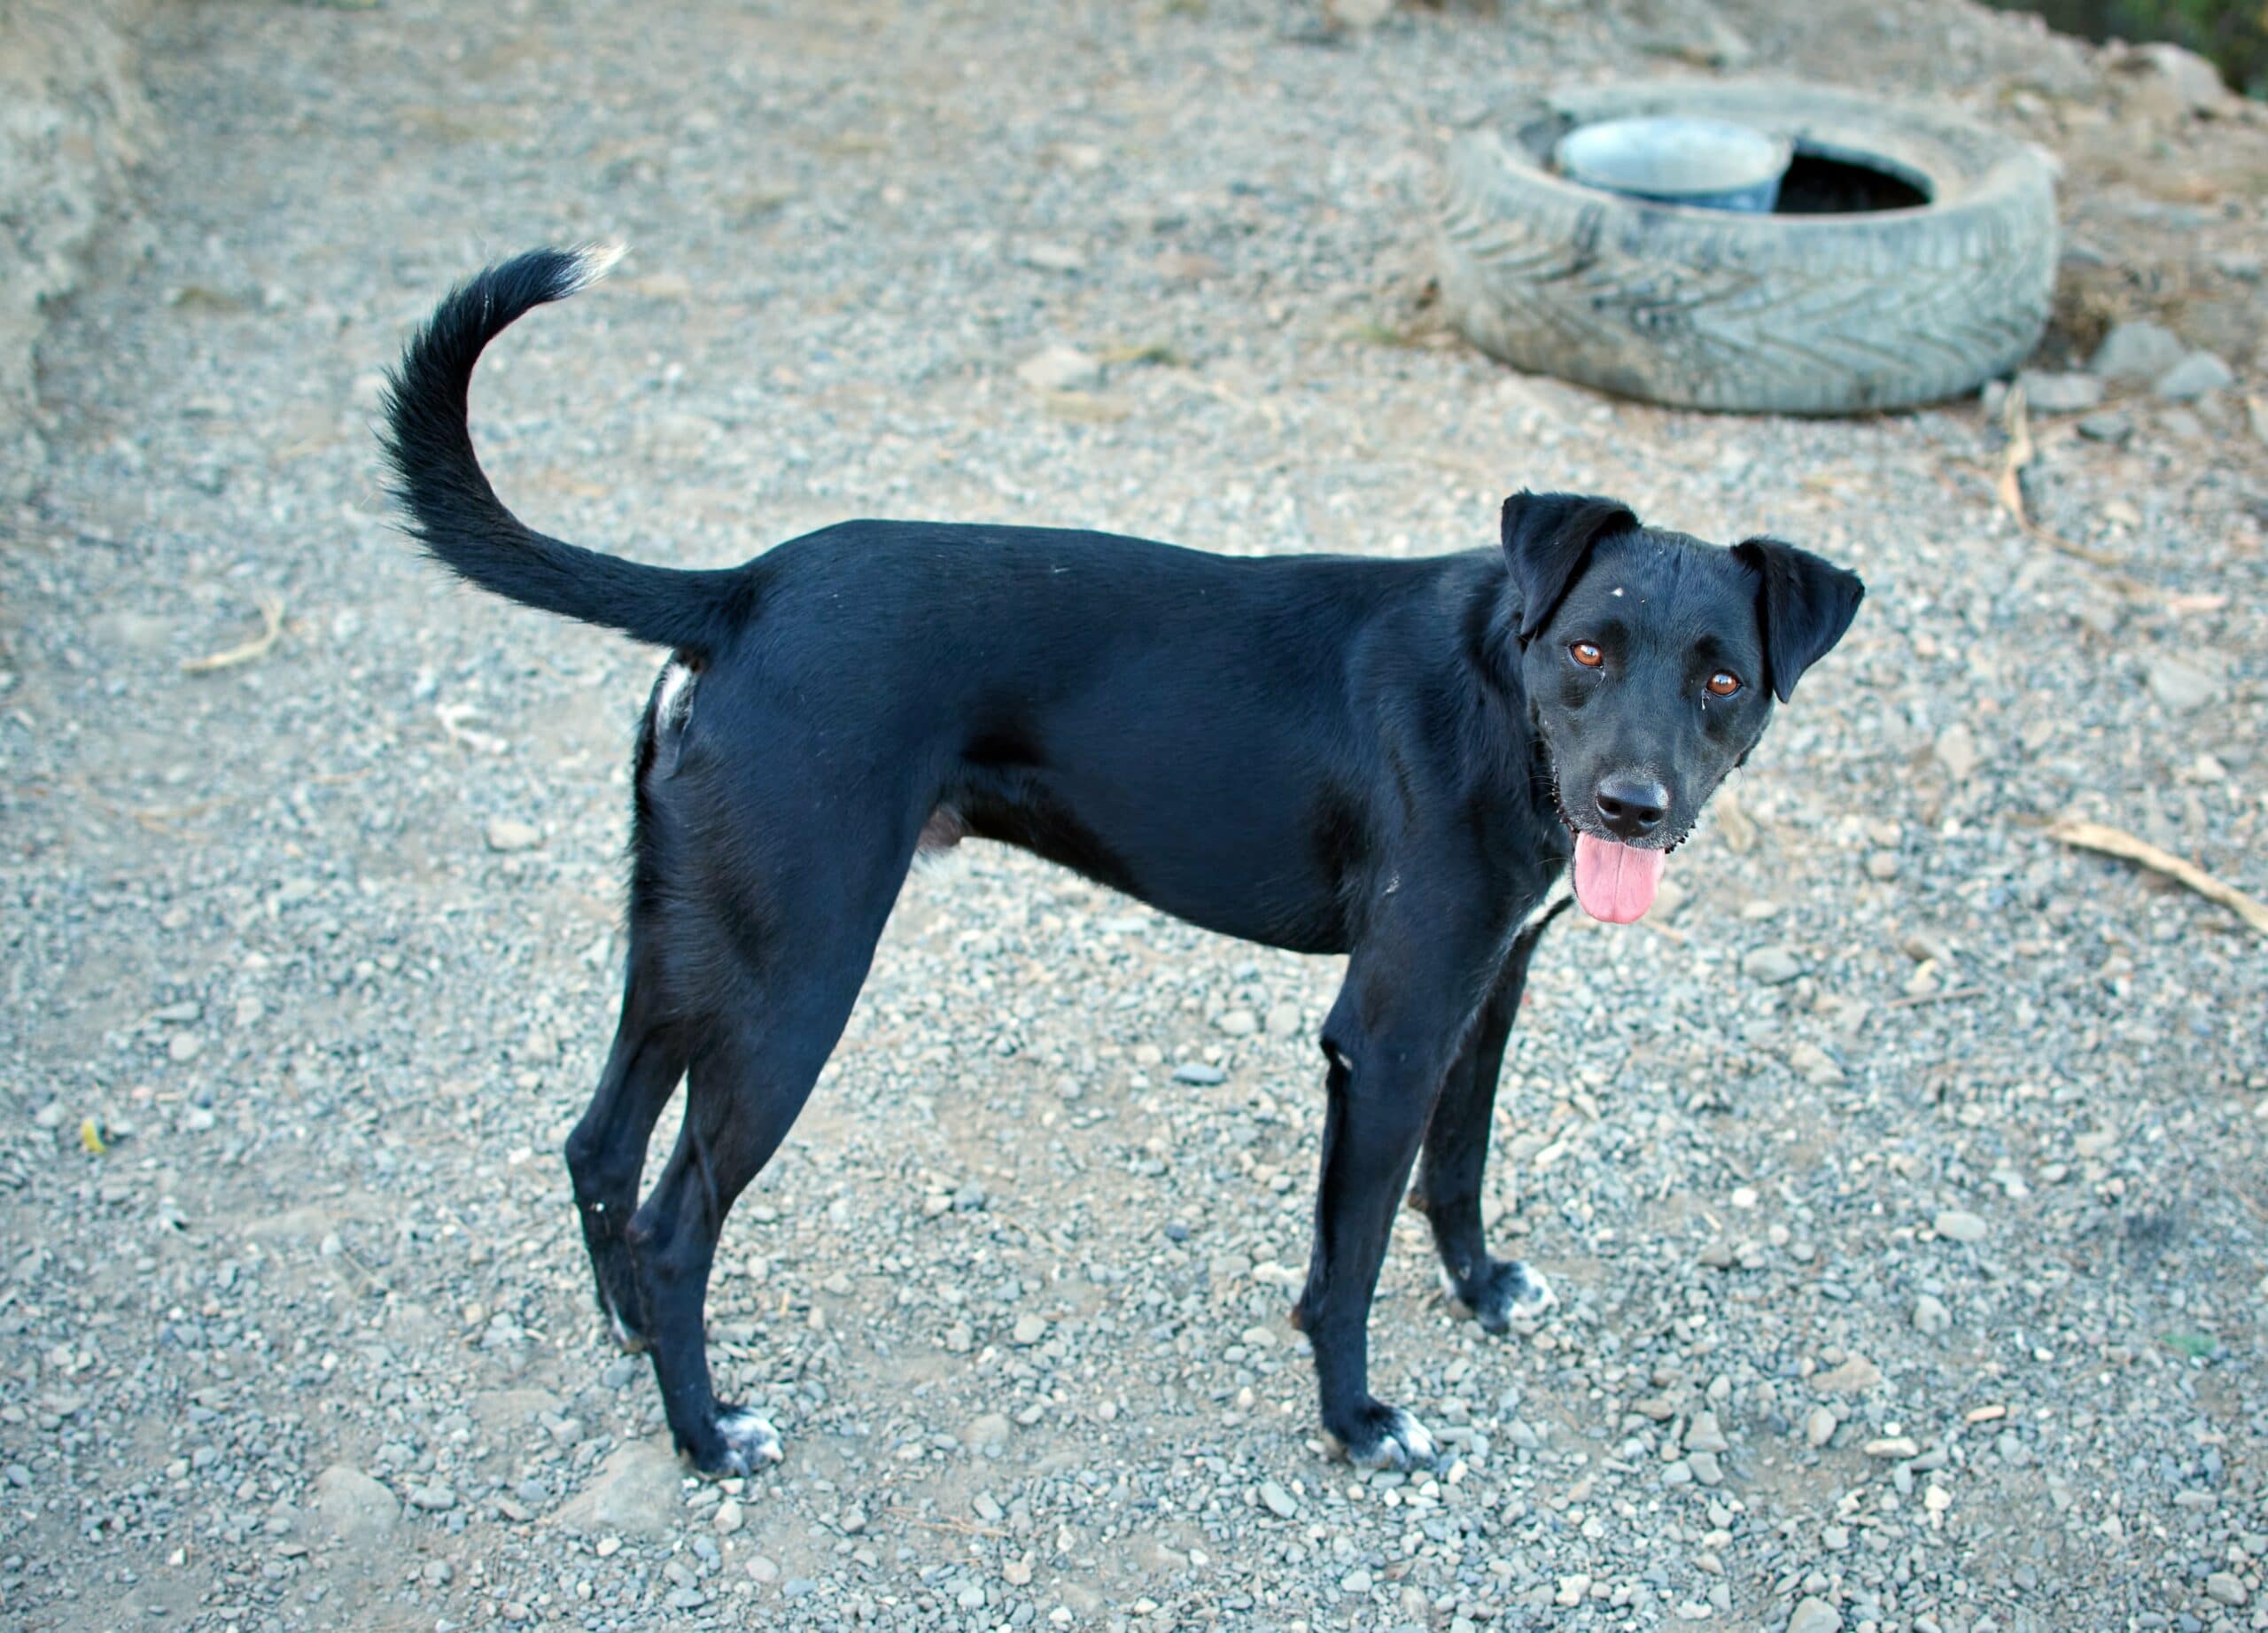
(1650, 662)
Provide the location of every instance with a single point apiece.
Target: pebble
(1957, 751)
(1893, 1448)
(1704, 1434)
(1772, 966)
(2196, 376)
(1028, 1330)
(1278, 1500)
(1852, 1377)
(506, 835)
(1285, 1021)
(2182, 684)
(1815, 1615)
(1237, 1022)
(2227, 1588)
(729, 1517)
(1199, 1074)
(2108, 426)
(1930, 1314)
(1059, 369)
(2137, 353)
(2060, 394)
(356, 1507)
(1959, 1225)
(1819, 1425)
(988, 1432)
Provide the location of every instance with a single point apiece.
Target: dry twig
(271, 614)
(2117, 842)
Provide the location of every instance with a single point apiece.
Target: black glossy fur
(1377, 757)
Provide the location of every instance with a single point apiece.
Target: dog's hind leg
(1498, 1292)
(758, 1052)
(607, 1151)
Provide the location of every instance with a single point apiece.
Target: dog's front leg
(1388, 1045)
(1499, 1293)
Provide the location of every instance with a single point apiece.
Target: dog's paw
(1384, 1436)
(746, 1442)
(1509, 1296)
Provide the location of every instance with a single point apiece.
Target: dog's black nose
(1632, 807)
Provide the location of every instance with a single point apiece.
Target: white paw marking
(1405, 1442)
(1540, 1298)
(622, 1336)
(750, 1441)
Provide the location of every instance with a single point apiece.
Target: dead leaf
(2116, 841)
(2016, 457)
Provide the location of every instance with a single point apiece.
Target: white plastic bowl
(1709, 164)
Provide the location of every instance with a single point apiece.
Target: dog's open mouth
(1616, 883)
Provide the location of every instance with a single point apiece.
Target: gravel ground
(1902, 1180)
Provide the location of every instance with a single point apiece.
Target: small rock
(1279, 1501)
(1197, 1072)
(1239, 1023)
(2194, 376)
(2110, 426)
(1854, 1376)
(434, 1499)
(1957, 751)
(1705, 1468)
(987, 1433)
(1815, 1616)
(1030, 1329)
(1893, 1448)
(2181, 684)
(1959, 1225)
(1819, 1427)
(729, 1517)
(2136, 353)
(357, 1508)
(1704, 1434)
(1285, 1021)
(1060, 369)
(1772, 966)
(1930, 1314)
(763, 1569)
(1882, 865)
(2060, 394)
(506, 835)
(2227, 1588)
(184, 1047)
(1815, 1065)
(1053, 257)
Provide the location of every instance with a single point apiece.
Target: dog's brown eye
(1724, 683)
(1587, 654)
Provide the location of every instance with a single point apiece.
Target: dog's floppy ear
(1805, 603)
(1546, 538)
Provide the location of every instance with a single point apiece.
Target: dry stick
(2010, 489)
(271, 614)
(2117, 842)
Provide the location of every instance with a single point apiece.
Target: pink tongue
(1616, 883)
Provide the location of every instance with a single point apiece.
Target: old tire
(1797, 314)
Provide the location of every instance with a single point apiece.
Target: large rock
(354, 1507)
(637, 1492)
(70, 120)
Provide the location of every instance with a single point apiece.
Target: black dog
(1392, 759)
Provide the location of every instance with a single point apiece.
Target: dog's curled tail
(454, 513)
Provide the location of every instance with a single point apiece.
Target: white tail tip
(594, 261)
